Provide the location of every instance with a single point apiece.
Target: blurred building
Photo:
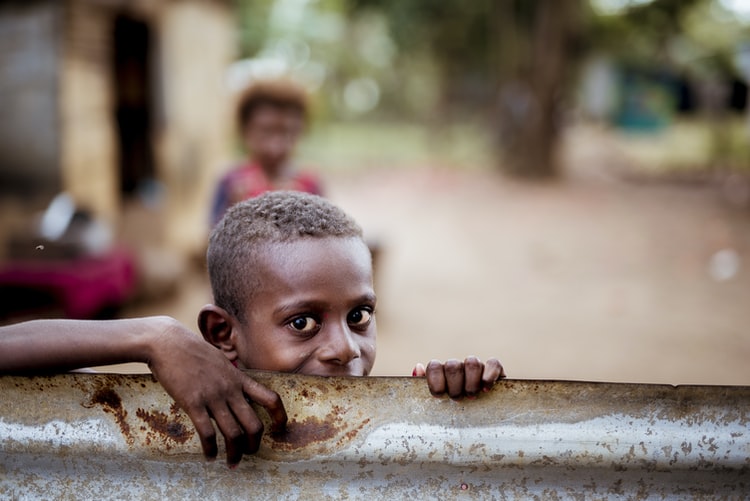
(116, 100)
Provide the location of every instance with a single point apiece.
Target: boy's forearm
(58, 345)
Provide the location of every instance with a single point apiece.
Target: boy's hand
(206, 385)
(460, 379)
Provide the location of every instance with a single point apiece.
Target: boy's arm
(460, 379)
(199, 378)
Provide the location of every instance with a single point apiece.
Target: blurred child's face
(314, 310)
(271, 134)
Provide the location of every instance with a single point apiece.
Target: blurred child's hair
(283, 94)
(274, 217)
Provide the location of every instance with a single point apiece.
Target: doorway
(133, 44)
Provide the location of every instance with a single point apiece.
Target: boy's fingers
(250, 424)
(235, 439)
(435, 377)
(493, 370)
(269, 400)
(473, 368)
(454, 377)
(206, 432)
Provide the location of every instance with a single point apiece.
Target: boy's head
(292, 282)
(271, 116)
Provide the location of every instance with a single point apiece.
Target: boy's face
(271, 133)
(314, 310)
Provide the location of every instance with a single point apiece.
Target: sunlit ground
(592, 278)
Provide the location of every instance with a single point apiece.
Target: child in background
(271, 116)
(292, 282)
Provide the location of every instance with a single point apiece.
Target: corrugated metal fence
(103, 436)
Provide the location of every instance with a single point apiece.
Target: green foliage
(698, 36)
(439, 61)
(252, 25)
(393, 144)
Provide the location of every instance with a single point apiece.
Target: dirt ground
(591, 278)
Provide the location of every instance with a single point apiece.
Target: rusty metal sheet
(104, 436)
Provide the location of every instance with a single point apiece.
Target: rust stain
(323, 388)
(112, 403)
(353, 433)
(165, 427)
(299, 434)
(312, 429)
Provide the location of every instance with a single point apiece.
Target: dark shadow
(133, 43)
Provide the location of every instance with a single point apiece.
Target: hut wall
(29, 129)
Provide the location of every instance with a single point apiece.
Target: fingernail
(233, 466)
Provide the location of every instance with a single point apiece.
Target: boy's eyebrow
(366, 298)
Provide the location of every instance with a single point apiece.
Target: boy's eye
(304, 324)
(360, 317)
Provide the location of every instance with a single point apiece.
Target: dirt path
(591, 278)
(577, 281)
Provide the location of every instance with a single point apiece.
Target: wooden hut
(116, 100)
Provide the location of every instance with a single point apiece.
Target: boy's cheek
(369, 359)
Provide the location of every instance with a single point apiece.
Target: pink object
(81, 286)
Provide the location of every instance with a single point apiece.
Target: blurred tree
(513, 63)
(696, 38)
(314, 42)
(509, 60)
(695, 44)
(539, 47)
(657, 32)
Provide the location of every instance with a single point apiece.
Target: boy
(292, 283)
(271, 116)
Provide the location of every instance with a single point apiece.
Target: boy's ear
(216, 325)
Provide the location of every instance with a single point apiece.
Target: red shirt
(250, 181)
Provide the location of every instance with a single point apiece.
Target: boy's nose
(340, 346)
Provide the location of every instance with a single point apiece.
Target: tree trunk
(535, 63)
